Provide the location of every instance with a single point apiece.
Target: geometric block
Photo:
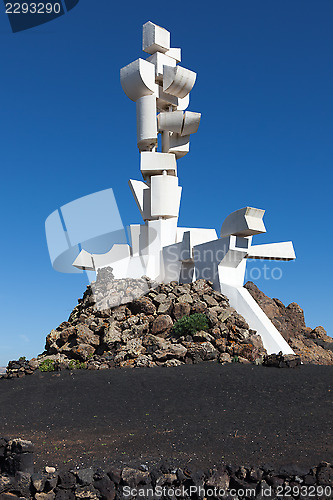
(244, 222)
(178, 81)
(153, 163)
(179, 145)
(165, 101)
(84, 261)
(141, 194)
(171, 121)
(155, 38)
(159, 60)
(191, 123)
(174, 54)
(138, 79)
(272, 251)
(165, 196)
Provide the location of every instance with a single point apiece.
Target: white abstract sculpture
(159, 248)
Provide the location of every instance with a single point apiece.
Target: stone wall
(18, 480)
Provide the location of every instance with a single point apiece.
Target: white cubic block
(165, 196)
(155, 163)
(155, 38)
(175, 54)
(159, 60)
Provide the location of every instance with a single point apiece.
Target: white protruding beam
(272, 251)
(241, 300)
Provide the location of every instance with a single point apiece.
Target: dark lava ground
(195, 415)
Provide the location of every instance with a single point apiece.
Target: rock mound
(139, 323)
(141, 331)
(312, 345)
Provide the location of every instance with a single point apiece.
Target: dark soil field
(195, 415)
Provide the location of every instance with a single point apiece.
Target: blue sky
(264, 88)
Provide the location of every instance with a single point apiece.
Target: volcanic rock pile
(115, 325)
(132, 323)
(140, 331)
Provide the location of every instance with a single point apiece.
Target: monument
(160, 249)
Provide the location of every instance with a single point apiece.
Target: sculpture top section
(159, 85)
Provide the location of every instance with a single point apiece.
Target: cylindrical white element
(191, 123)
(178, 81)
(172, 121)
(146, 122)
(165, 196)
(138, 79)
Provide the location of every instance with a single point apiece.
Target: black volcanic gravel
(198, 415)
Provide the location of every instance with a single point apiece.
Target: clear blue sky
(264, 88)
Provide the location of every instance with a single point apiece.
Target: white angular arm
(272, 251)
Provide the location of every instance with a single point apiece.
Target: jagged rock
(112, 335)
(162, 325)
(169, 351)
(198, 307)
(224, 358)
(143, 305)
(203, 336)
(82, 352)
(106, 487)
(282, 360)
(165, 307)
(134, 348)
(219, 479)
(45, 496)
(134, 477)
(181, 309)
(203, 351)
